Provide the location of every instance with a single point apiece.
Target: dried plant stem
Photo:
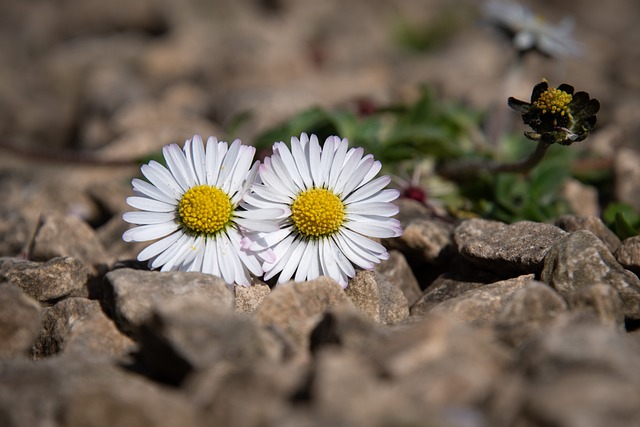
(469, 168)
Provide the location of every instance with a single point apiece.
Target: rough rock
(519, 248)
(46, 281)
(133, 294)
(189, 334)
(377, 298)
(425, 240)
(293, 309)
(248, 299)
(20, 318)
(347, 328)
(628, 255)
(602, 301)
(440, 361)
(594, 224)
(266, 385)
(627, 176)
(398, 271)
(579, 260)
(481, 305)
(86, 392)
(529, 312)
(79, 325)
(60, 236)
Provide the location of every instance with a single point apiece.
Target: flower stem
(470, 168)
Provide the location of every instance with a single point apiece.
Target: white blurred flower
(332, 204)
(529, 32)
(192, 208)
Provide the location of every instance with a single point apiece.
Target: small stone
(46, 281)
(189, 334)
(265, 389)
(602, 301)
(529, 312)
(248, 299)
(293, 309)
(582, 199)
(628, 255)
(347, 328)
(377, 298)
(459, 279)
(518, 248)
(60, 236)
(482, 305)
(20, 319)
(441, 361)
(397, 270)
(424, 240)
(579, 260)
(133, 294)
(627, 176)
(594, 224)
(78, 325)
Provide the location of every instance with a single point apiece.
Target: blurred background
(90, 87)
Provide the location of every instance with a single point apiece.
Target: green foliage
(426, 128)
(623, 219)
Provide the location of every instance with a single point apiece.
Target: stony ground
(469, 323)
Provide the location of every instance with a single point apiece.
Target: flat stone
(627, 176)
(189, 334)
(579, 260)
(79, 325)
(518, 248)
(529, 312)
(248, 299)
(628, 255)
(602, 301)
(293, 309)
(133, 294)
(398, 271)
(482, 305)
(377, 298)
(48, 281)
(20, 319)
(594, 224)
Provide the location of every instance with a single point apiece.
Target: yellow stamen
(204, 209)
(317, 212)
(553, 101)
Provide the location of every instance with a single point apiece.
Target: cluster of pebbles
(476, 323)
(472, 323)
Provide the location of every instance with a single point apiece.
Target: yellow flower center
(204, 209)
(553, 101)
(317, 212)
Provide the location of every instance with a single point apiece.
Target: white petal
(293, 258)
(199, 160)
(338, 162)
(147, 204)
(346, 172)
(286, 160)
(326, 161)
(149, 232)
(363, 242)
(156, 248)
(162, 179)
(388, 195)
(372, 230)
(328, 262)
(368, 189)
(309, 263)
(228, 165)
(177, 164)
(144, 218)
(358, 257)
(301, 155)
(314, 153)
(210, 261)
(374, 208)
(149, 190)
(357, 177)
(214, 154)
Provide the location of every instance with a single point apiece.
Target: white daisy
(331, 202)
(194, 208)
(530, 32)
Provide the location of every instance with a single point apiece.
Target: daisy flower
(193, 208)
(529, 32)
(331, 203)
